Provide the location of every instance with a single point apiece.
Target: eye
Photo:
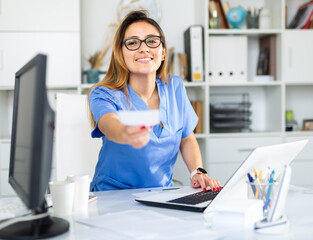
(131, 42)
(151, 40)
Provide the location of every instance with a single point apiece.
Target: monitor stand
(45, 227)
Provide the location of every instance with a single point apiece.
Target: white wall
(97, 15)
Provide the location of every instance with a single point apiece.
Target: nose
(144, 47)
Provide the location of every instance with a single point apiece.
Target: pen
(255, 174)
(260, 176)
(269, 189)
(251, 181)
(168, 189)
(266, 204)
(257, 189)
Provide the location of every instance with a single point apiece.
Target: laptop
(261, 158)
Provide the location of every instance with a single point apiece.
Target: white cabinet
(297, 51)
(225, 155)
(302, 165)
(39, 15)
(50, 27)
(63, 50)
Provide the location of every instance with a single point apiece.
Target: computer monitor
(31, 154)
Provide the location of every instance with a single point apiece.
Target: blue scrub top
(120, 166)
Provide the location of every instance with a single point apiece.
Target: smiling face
(144, 61)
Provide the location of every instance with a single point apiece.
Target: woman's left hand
(204, 181)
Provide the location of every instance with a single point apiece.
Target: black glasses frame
(141, 41)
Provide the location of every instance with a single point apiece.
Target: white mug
(62, 193)
(81, 193)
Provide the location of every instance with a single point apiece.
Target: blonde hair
(117, 75)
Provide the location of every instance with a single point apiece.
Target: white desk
(299, 208)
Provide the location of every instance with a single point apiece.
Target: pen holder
(265, 191)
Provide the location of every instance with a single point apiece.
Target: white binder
(228, 59)
(194, 50)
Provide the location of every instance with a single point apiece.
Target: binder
(194, 48)
(228, 59)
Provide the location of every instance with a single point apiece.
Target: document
(140, 224)
(139, 118)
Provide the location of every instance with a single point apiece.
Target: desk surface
(299, 208)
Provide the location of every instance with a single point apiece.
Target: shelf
(5, 140)
(249, 32)
(66, 87)
(243, 84)
(299, 134)
(187, 84)
(299, 83)
(11, 88)
(86, 85)
(6, 88)
(298, 30)
(194, 84)
(201, 135)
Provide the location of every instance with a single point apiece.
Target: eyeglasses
(135, 43)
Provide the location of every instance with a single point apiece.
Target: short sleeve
(101, 101)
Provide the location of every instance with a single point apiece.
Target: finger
(194, 183)
(201, 181)
(130, 130)
(214, 184)
(134, 134)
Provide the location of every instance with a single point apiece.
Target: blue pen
(266, 204)
(269, 189)
(251, 181)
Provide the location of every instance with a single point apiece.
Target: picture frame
(307, 125)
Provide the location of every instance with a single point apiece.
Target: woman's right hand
(136, 136)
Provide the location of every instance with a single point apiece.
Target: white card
(139, 118)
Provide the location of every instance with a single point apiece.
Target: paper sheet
(140, 224)
(139, 118)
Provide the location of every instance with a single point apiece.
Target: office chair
(76, 152)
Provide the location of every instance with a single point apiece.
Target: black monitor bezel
(32, 199)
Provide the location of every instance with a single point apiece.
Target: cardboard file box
(228, 59)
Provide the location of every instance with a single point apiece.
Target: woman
(140, 156)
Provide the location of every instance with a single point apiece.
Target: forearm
(112, 128)
(190, 151)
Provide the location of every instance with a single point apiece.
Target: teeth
(143, 59)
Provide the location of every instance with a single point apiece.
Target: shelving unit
(291, 90)
(222, 153)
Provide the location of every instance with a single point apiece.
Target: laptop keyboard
(196, 198)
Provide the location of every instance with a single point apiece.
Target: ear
(163, 54)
